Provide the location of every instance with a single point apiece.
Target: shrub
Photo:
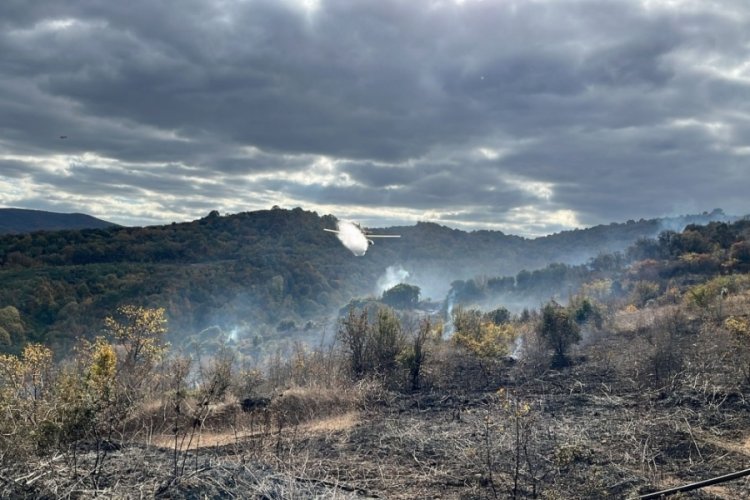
(402, 296)
(479, 335)
(559, 330)
(586, 311)
(644, 291)
(372, 348)
(415, 353)
(739, 327)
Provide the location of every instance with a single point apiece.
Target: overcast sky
(527, 116)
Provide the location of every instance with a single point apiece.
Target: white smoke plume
(352, 238)
(518, 348)
(448, 326)
(393, 276)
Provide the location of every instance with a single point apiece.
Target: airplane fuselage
(354, 238)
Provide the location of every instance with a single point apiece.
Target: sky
(525, 116)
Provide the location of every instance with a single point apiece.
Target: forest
(245, 275)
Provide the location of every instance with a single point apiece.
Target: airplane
(355, 238)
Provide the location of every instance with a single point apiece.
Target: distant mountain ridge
(20, 220)
(258, 272)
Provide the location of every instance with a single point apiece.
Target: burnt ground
(577, 433)
(632, 414)
(578, 439)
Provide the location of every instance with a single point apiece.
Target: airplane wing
(331, 230)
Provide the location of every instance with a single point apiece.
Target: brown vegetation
(656, 398)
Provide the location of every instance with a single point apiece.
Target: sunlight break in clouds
(383, 112)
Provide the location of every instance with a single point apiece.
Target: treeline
(639, 272)
(266, 273)
(212, 238)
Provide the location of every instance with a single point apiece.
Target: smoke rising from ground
(393, 276)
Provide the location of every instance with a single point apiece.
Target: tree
(498, 316)
(371, 347)
(139, 331)
(386, 341)
(11, 326)
(353, 333)
(586, 311)
(478, 334)
(559, 330)
(415, 353)
(402, 296)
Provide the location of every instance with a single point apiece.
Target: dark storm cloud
(434, 188)
(542, 113)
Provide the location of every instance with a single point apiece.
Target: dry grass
(602, 428)
(238, 435)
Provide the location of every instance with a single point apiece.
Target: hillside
(258, 274)
(19, 220)
(640, 383)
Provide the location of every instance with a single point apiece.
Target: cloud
(530, 116)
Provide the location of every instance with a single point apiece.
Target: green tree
(559, 330)
(402, 296)
(353, 334)
(11, 326)
(498, 316)
(386, 341)
(586, 311)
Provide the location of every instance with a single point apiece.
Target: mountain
(260, 275)
(19, 220)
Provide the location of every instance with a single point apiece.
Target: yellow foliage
(739, 326)
(140, 332)
(12, 372)
(713, 290)
(103, 365)
(37, 358)
(26, 376)
(490, 341)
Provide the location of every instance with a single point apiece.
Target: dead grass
(236, 436)
(601, 428)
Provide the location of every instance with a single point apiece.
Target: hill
(259, 276)
(638, 384)
(19, 220)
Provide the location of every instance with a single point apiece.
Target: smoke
(518, 348)
(393, 276)
(352, 238)
(448, 327)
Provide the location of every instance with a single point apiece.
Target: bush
(372, 348)
(559, 330)
(586, 312)
(413, 357)
(402, 296)
(479, 335)
(739, 327)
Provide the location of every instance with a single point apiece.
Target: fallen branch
(696, 486)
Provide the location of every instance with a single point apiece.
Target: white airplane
(355, 238)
